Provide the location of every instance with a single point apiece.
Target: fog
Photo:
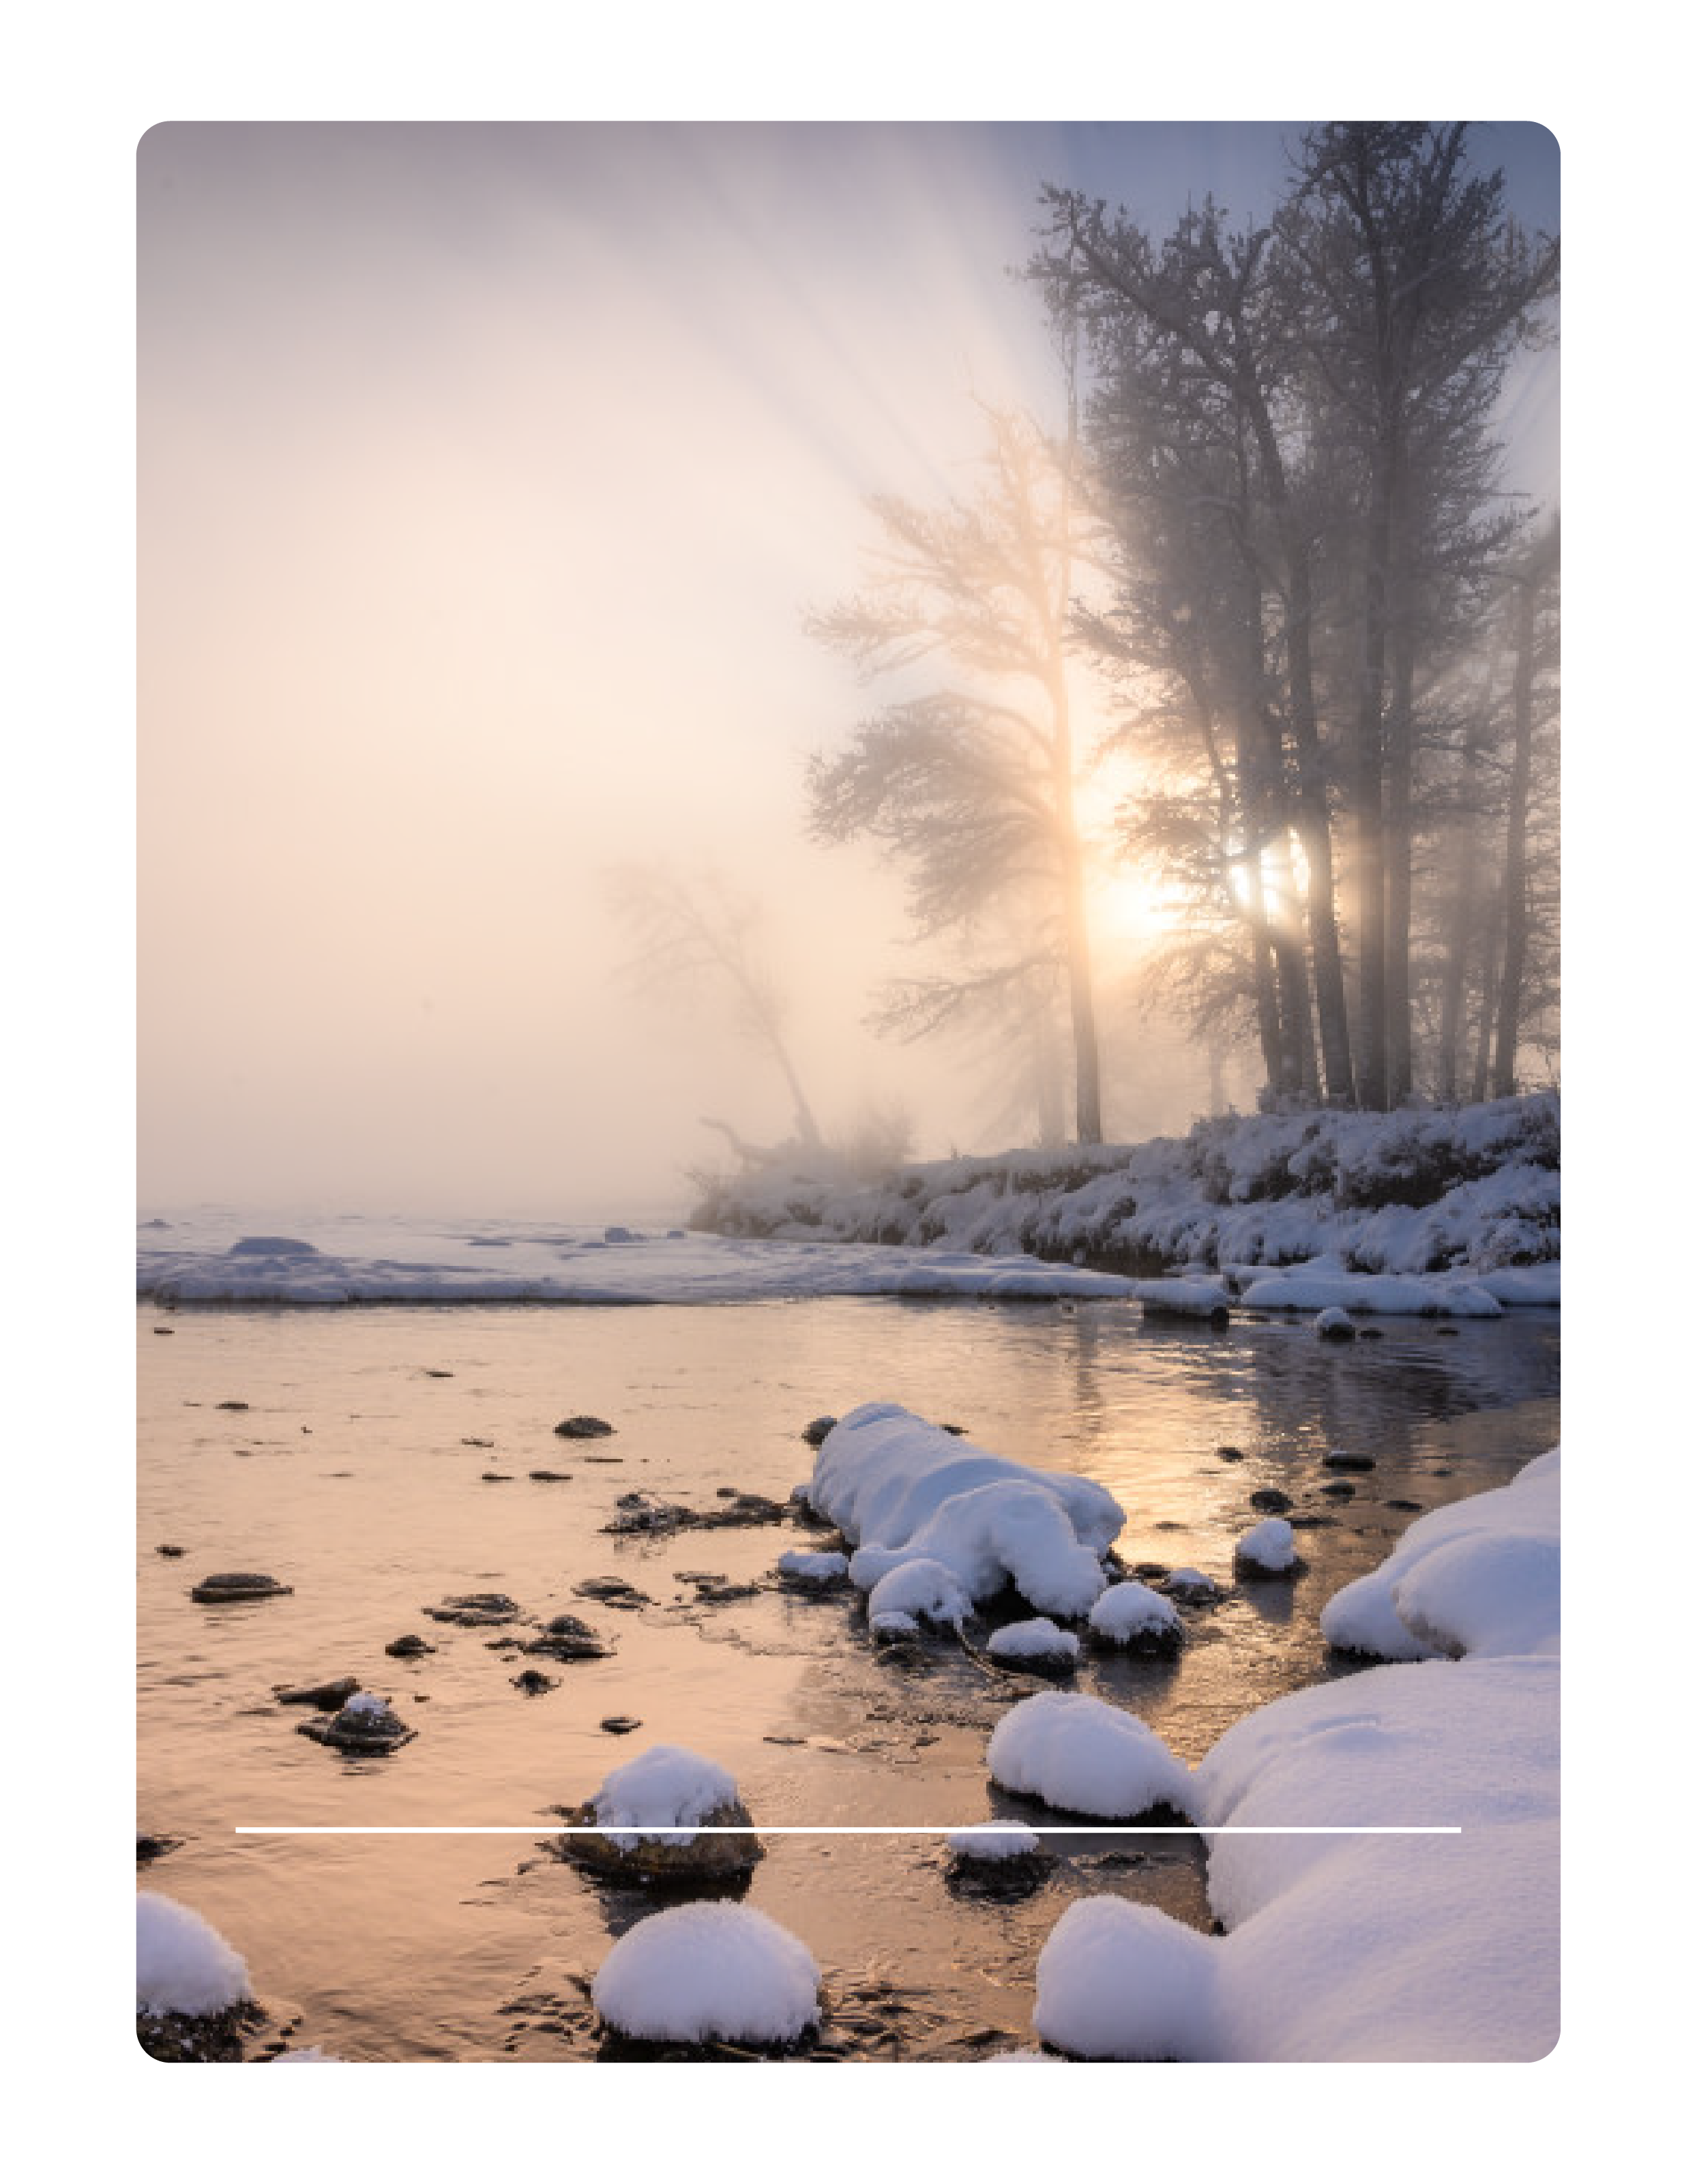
(485, 476)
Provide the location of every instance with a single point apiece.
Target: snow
(920, 1588)
(1479, 1576)
(660, 1796)
(816, 1568)
(181, 1963)
(904, 1490)
(708, 1971)
(365, 1703)
(201, 1259)
(1455, 1211)
(1323, 1285)
(1360, 1947)
(1131, 1610)
(1082, 1755)
(307, 2055)
(992, 1840)
(1025, 1642)
(1124, 1983)
(1455, 1200)
(1268, 1546)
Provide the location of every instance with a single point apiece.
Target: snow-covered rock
(1134, 1615)
(1269, 1547)
(806, 1568)
(921, 1589)
(1038, 1644)
(992, 1843)
(1480, 1576)
(906, 1490)
(709, 1971)
(182, 1963)
(663, 1796)
(1123, 1982)
(1081, 1755)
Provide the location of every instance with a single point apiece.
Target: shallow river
(355, 1474)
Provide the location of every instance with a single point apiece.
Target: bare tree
(701, 932)
(970, 785)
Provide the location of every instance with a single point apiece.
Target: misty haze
(931, 752)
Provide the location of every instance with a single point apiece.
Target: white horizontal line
(943, 1828)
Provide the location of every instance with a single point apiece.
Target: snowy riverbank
(1441, 1210)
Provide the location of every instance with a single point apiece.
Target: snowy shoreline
(1451, 1210)
(1455, 1214)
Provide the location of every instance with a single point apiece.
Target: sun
(1129, 906)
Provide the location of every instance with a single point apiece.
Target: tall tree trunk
(1516, 908)
(1398, 810)
(1371, 1083)
(1490, 950)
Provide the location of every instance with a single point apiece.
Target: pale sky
(485, 474)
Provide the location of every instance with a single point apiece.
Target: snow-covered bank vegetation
(1470, 1190)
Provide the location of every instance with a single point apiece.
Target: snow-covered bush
(709, 1971)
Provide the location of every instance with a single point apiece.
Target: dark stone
(533, 1683)
(551, 1478)
(436, 1373)
(471, 1440)
(173, 1552)
(1370, 1333)
(148, 1847)
(710, 1858)
(1339, 1461)
(1272, 1500)
(1340, 1490)
(164, 1330)
(495, 1478)
(582, 1428)
(815, 1433)
(620, 1724)
(329, 1697)
(231, 1406)
(173, 2038)
(1337, 1330)
(715, 1591)
(1148, 1572)
(960, 1432)
(568, 1638)
(238, 1584)
(361, 1731)
(614, 1591)
(476, 1609)
(1229, 1455)
(409, 1648)
(1412, 1508)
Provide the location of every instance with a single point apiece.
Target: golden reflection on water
(355, 1471)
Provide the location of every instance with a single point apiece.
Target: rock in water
(582, 1428)
(328, 1697)
(568, 1638)
(476, 1610)
(645, 1823)
(366, 1726)
(703, 1973)
(238, 1584)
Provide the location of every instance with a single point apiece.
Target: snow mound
(1481, 1576)
(709, 1971)
(1083, 1756)
(1359, 1947)
(1269, 1547)
(662, 1795)
(308, 2055)
(181, 1963)
(1323, 1285)
(1123, 1982)
(814, 1568)
(903, 1490)
(992, 1840)
(1130, 1610)
(920, 1588)
(1036, 1640)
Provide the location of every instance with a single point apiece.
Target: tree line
(1271, 526)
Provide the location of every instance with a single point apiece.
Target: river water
(354, 1473)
